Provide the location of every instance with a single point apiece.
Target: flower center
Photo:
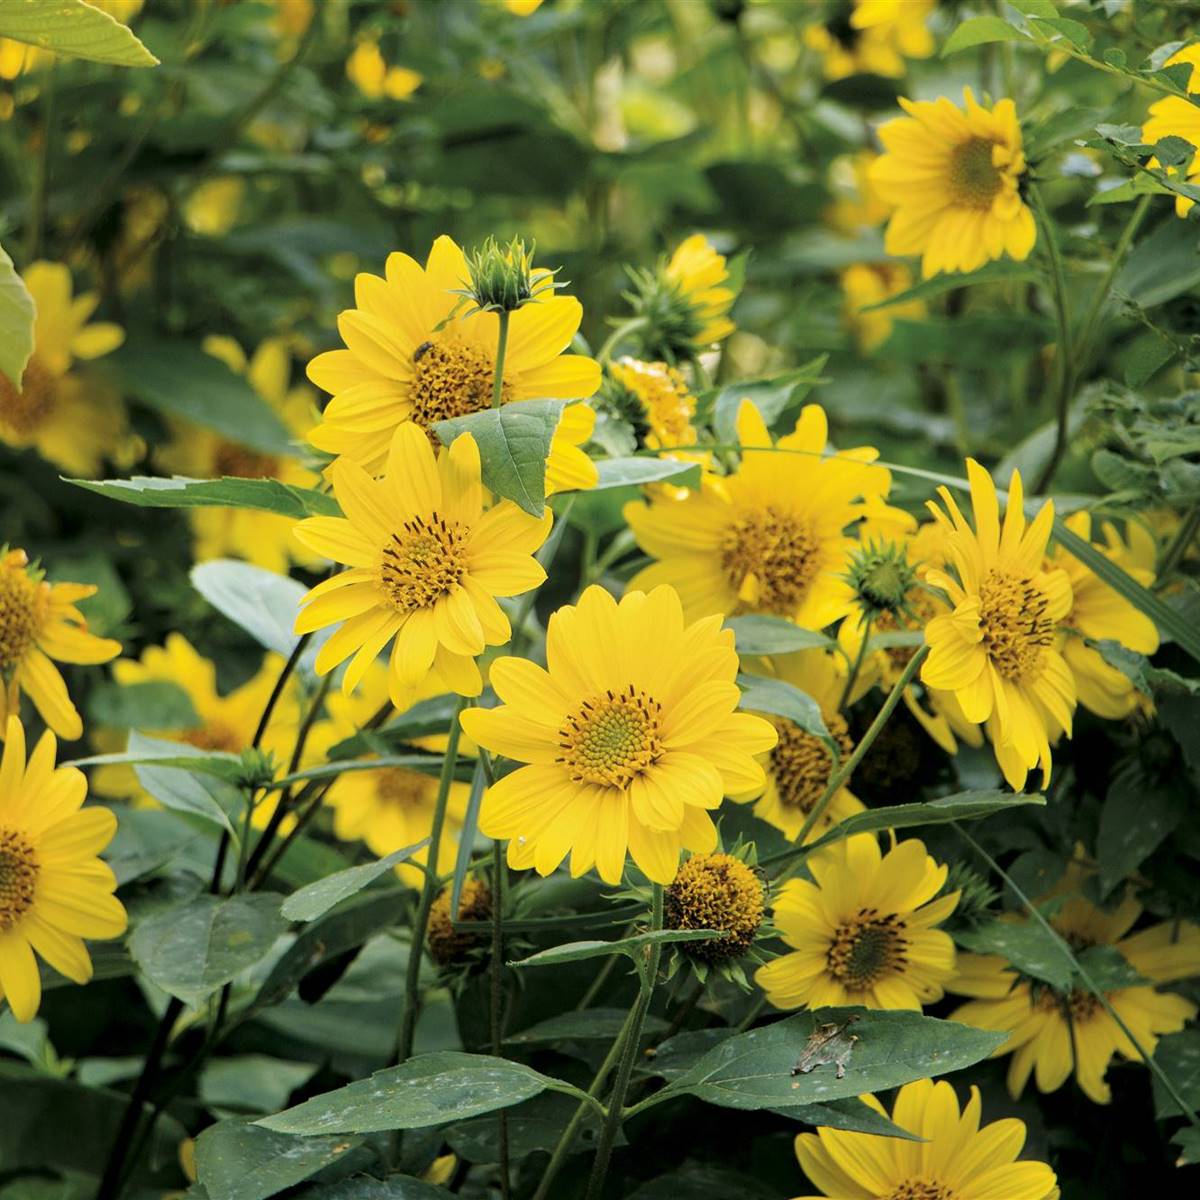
(716, 891)
(25, 412)
(922, 1189)
(1078, 1007)
(18, 877)
(215, 736)
(867, 948)
(1016, 629)
(974, 180)
(398, 788)
(423, 562)
(770, 558)
(232, 460)
(612, 738)
(801, 763)
(453, 379)
(20, 617)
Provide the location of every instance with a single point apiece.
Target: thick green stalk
(497, 997)
(501, 354)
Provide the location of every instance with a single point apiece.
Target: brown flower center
(867, 948)
(770, 559)
(922, 1189)
(423, 562)
(1016, 629)
(240, 462)
(612, 738)
(974, 180)
(20, 615)
(801, 763)
(1078, 1006)
(18, 877)
(215, 736)
(398, 788)
(453, 379)
(716, 891)
(25, 412)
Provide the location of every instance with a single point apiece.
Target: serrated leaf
(773, 635)
(264, 495)
(193, 947)
(16, 321)
(577, 951)
(432, 1089)
(1134, 821)
(635, 471)
(978, 31)
(514, 443)
(74, 28)
(236, 1160)
(318, 898)
(782, 699)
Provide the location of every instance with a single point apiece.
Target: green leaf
(753, 1070)
(1162, 266)
(74, 28)
(264, 495)
(770, 396)
(178, 378)
(514, 443)
(153, 704)
(178, 756)
(773, 635)
(1135, 820)
(16, 321)
(432, 1089)
(633, 472)
(239, 1161)
(1188, 1141)
(993, 272)
(783, 700)
(429, 764)
(256, 1083)
(263, 603)
(1169, 620)
(193, 947)
(318, 898)
(1179, 1056)
(1109, 969)
(978, 31)
(1024, 944)
(577, 951)
(1074, 31)
(364, 1187)
(589, 1024)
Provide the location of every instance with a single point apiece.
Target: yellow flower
(700, 279)
(54, 891)
(666, 401)
(392, 807)
(370, 73)
(259, 537)
(865, 284)
(999, 649)
(426, 564)
(716, 891)
(857, 206)
(958, 1159)
(632, 737)
(1173, 116)
(874, 38)
(770, 538)
(952, 177)
(522, 8)
(410, 358)
(863, 932)
(212, 208)
(799, 766)
(1045, 1024)
(291, 18)
(71, 424)
(1101, 614)
(40, 623)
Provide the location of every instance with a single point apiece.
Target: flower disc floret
(716, 891)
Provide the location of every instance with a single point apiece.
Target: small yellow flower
(874, 38)
(955, 1158)
(699, 275)
(632, 737)
(39, 623)
(1173, 116)
(999, 650)
(367, 69)
(73, 424)
(953, 178)
(212, 208)
(1053, 1033)
(522, 8)
(857, 206)
(54, 890)
(866, 284)
(863, 931)
(666, 402)
(426, 563)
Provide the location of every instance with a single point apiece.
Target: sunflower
(863, 931)
(770, 538)
(411, 356)
(956, 1158)
(1101, 614)
(392, 807)
(54, 891)
(259, 537)
(632, 737)
(74, 425)
(872, 37)
(799, 765)
(953, 178)
(39, 623)
(1052, 1032)
(867, 284)
(998, 650)
(856, 205)
(663, 401)
(1174, 116)
(425, 566)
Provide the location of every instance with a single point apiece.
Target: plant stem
(622, 331)
(1184, 537)
(501, 353)
(632, 1037)
(856, 666)
(497, 996)
(1064, 355)
(429, 889)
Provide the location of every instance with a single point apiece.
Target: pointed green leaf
(16, 321)
(265, 495)
(634, 471)
(75, 28)
(979, 30)
(773, 635)
(318, 898)
(577, 951)
(239, 1161)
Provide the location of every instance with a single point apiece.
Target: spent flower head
(503, 278)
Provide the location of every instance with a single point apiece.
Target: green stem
(1082, 972)
(501, 354)
(497, 997)
(41, 178)
(856, 666)
(622, 331)
(429, 889)
(1064, 355)
(632, 1037)
(1184, 537)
